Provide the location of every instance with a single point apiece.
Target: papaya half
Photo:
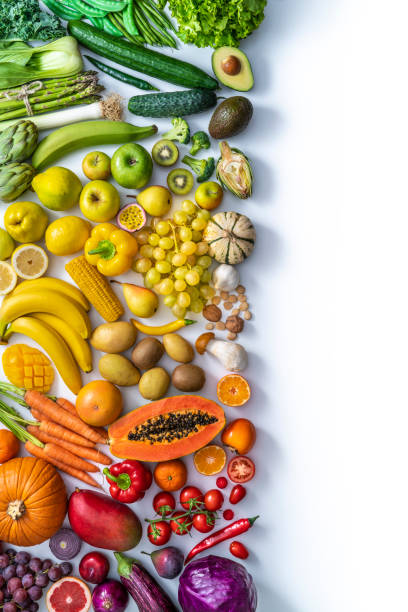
(167, 429)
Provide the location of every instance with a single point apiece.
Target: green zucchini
(121, 76)
(172, 104)
(143, 60)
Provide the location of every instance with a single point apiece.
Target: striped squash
(230, 236)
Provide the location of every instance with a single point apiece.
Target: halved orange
(233, 390)
(210, 460)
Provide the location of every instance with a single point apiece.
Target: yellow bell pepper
(110, 249)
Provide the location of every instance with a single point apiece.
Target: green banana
(85, 134)
(17, 142)
(15, 178)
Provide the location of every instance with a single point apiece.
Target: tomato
(164, 500)
(240, 435)
(221, 482)
(238, 550)
(182, 525)
(213, 499)
(237, 493)
(191, 493)
(241, 469)
(228, 514)
(203, 522)
(159, 534)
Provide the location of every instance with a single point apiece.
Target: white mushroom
(233, 356)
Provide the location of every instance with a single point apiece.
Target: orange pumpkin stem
(16, 509)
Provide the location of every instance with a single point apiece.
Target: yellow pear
(156, 200)
(141, 301)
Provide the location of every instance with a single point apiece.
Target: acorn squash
(230, 236)
(167, 429)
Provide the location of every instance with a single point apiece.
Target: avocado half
(231, 66)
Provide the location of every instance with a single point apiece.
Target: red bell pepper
(128, 480)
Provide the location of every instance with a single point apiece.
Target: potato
(118, 370)
(154, 383)
(188, 377)
(147, 353)
(178, 348)
(114, 337)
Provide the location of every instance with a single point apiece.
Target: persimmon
(9, 445)
(240, 435)
(170, 475)
(99, 403)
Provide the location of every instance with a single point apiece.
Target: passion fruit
(131, 217)
(165, 152)
(180, 181)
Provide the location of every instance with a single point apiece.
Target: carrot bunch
(57, 435)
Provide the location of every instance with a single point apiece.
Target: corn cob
(96, 288)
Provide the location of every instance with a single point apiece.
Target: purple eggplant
(144, 589)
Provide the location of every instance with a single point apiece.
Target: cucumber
(172, 104)
(86, 134)
(149, 62)
(121, 76)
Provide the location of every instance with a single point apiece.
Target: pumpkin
(33, 501)
(9, 445)
(230, 236)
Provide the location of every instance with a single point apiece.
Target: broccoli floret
(180, 131)
(202, 167)
(200, 141)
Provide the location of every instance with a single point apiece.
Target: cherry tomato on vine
(221, 482)
(159, 534)
(183, 525)
(241, 469)
(238, 550)
(191, 493)
(213, 499)
(204, 522)
(163, 500)
(237, 493)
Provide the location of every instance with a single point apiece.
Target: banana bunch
(53, 313)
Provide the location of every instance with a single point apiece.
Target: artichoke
(234, 171)
(14, 180)
(18, 141)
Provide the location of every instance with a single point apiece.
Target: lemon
(29, 261)
(8, 278)
(57, 188)
(6, 244)
(67, 235)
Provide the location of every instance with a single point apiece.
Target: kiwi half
(180, 181)
(165, 152)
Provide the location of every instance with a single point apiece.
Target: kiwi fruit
(180, 181)
(165, 152)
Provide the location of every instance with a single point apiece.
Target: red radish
(94, 567)
(69, 595)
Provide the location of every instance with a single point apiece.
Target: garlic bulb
(225, 277)
(232, 356)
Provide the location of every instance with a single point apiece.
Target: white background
(327, 284)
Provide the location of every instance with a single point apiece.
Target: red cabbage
(216, 584)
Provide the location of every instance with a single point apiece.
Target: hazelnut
(212, 313)
(202, 341)
(234, 324)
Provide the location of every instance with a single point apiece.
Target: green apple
(25, 221)
(96, 166)
(99, 201)
(131, 166)
(6, 245)
(209, 195)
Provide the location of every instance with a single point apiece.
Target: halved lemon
(210, 460)
(29, 261)
(8, 278)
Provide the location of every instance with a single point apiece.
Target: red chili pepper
(230, 531)
(237, 493)
(128, 480)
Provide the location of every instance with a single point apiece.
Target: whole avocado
(230, 117)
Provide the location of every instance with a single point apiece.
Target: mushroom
(233, 356)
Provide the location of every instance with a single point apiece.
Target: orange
(210, 460)
(233, 390)
(9, 445)
(170, 475)
(99, 403)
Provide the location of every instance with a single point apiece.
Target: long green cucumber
(86, 134)
(141, 59)
(173, 103)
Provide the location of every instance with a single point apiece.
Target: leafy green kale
(24, 20)
(215, 23)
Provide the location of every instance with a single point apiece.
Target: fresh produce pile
(176, 250)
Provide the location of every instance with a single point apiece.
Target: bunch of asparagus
(53, 95)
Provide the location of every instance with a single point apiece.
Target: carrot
(40, 454)
(81, 451)
(53, 429)
(65, 456)
(35, 399)
(69, 406)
